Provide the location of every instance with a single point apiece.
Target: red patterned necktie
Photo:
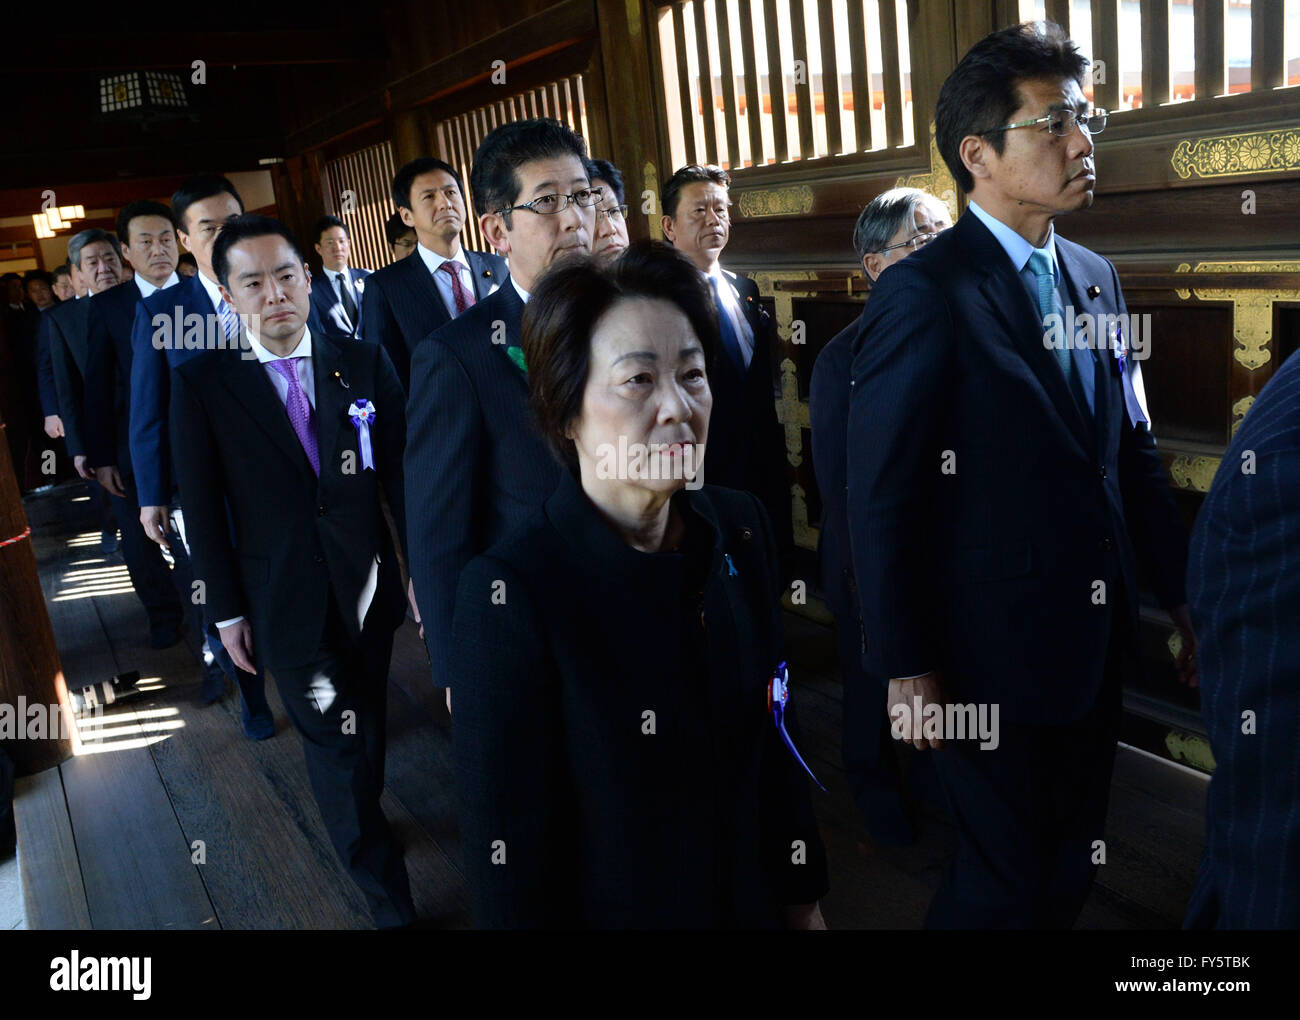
(459, 291)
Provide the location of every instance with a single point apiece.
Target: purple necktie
(301, 415)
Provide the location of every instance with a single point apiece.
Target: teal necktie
(1040, 264)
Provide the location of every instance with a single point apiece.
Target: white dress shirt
(306, 378)
(339, 281)
(434, 263)
(147, 288)
(213, 291)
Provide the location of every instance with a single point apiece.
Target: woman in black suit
(618, 761)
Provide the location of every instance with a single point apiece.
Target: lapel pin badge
(1094, 291)
(342, 382)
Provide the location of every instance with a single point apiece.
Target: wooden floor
(171, 818)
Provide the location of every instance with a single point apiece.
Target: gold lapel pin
(1094, 291)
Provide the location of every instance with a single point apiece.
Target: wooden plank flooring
(112, 838)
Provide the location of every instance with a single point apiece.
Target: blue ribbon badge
(362, 413)
(778, 694)
(1128, 377)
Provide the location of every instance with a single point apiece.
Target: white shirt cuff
(222, 624)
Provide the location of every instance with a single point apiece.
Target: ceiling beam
(111, 51)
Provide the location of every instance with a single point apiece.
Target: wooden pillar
(31, 676)
(629, 101)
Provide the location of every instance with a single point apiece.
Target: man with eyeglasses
(475, 464)
(891, 227)
(746, 442)
(611, 215)
(406, 301)
(1001, 485)
(401, 238)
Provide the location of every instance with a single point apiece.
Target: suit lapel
(1078, 282)
(421, 282)
(332, 399)
(484, 278)
(246, 380)
(1010, 301)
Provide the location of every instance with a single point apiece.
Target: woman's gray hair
(883, 217)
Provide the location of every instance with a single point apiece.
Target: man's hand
(238, 639)
(154, 520)
(902, 707)
(54, 426)
(79, 462)
(805, 917)
(1186, 661)
(111, 479)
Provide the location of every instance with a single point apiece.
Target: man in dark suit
(746, 442)
(407, 300)
(477, 464)
(1001, 483)
(171, 326)
(97, 255)
(337, 297)
(298, 438)
(1245, 599)
(891, 227)
(145, 230)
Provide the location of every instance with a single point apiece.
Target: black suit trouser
(150, 574)
(338, 702)
(1029, 812)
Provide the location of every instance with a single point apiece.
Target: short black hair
(63, 270)
(607, 172)
(983, 90)
(691, 174)
(494, 177)
(196, 189)
(563, 309)
(404, 179)
(328, 223)
(187, 259)
(132, 210)
(242, 228)
(395, 228)
(37, 274)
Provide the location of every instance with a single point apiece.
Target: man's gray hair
(884, 216)
(79, 242)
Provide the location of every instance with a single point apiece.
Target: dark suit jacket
(68, 337)
(828, 400)
(746, 448)
(987, 571)
(476, 462)
(402, 304)
(46, 386)
(108, 376)
(606, 824)
(295, 538)
(329, 308)
(1243, 578)
(171, 327)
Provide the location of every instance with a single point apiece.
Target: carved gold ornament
(1253, 152)
(1252, 310)
(796, 200)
